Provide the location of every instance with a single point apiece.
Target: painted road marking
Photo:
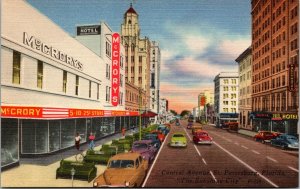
(255, 151)
(294, 169)
(150, 170)
(274, 160)
(187, 134)
(213, 176)
(197, 150)
(244, 147)
(246, 165)
(204, 161)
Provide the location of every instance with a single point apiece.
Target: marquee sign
(115, 85)
(56, 113)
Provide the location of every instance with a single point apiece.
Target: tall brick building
(275, 54)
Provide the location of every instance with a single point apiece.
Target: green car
(178, 140)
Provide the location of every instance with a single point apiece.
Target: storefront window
(9, 141)
(67, 133)
(108, 126)
(118, 124)
(54, 135)
(278, 126)
(41, 132)
(127, 123)
(28, 136)
(81, 129)
(96, 127)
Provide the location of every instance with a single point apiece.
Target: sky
(198, 39)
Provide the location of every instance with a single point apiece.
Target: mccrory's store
(51, 87)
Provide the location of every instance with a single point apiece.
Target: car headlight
(127, 183)
(95, 184)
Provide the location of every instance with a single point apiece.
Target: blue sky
(198, 38)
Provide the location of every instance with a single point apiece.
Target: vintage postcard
(156, 93)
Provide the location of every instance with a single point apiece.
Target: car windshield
(178, 135)
(291, 138)
(121, 164)
(140, 145)
(202, 134)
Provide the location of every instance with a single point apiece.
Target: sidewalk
(247, 132)
(41, 171)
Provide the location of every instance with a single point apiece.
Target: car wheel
(262, 141)
(283, 147)
(256, 139)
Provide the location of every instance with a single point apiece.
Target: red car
(202, 137)
(160, 135)
(265, 136)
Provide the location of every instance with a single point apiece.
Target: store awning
(149, 114)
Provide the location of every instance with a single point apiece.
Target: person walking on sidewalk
(123, 131)
(77, 141)
(91, 141)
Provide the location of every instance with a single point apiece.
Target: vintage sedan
(202, 137)
(178, 139)
(264, 136)
(286, 141)
(123, 170)
(164, 129)
(147, 149)
(159, 134)
(153, 138)
(196, 128)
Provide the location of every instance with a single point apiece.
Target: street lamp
(72, 174)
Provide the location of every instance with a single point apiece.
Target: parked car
(230, 126)
(286, 141)
(196, 128)
(153, 138)
(264, 136)
(189, 125)
(178, 139)
(147, 149)
(123, 170)
(202, 137)
(164, 129)
(159, 134)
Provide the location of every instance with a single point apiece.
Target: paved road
(231, 161)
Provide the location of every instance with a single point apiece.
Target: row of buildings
(54, 85)
(264, 93)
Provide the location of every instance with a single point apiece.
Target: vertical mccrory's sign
(89, 30)
(115, 69)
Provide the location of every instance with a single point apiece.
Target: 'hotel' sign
(89, 30)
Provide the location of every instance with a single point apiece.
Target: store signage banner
(56, 113)
(115, 69)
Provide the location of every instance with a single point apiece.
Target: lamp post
(72, 174)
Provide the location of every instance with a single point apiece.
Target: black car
(286, 141)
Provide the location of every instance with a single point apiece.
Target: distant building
(205, 101)
(245, 106)
(226, 97)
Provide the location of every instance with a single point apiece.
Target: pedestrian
(91, 141)
(77, 141)
(123, 131)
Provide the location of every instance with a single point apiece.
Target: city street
(231, 161)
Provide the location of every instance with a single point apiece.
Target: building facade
(163, 110)
(154, 77)
(205, 101)
(51, 87)
(275, 54)
(245, 106)
(98, 38)
(135, 98)
(226, 93)
(137, 53)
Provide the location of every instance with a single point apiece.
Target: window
(121, 80)
(97, 91)
(225, 102)
(140, 59)
(90, 89)
(107, 93)
(233, 81)
(107, 71)
(132, 58)
(233, 88)
(108, 49)
(225, 95)
(225, 81)
(152, 80)
(233, 110)
(65, 81)
(233, 103)
(121, 61)
(233, 96)
(225, 109)
(16, 67)
(77, 85)
(225, 88)
(40, 74)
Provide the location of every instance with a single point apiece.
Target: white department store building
(52, 87)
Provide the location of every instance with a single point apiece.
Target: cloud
(190, 63)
